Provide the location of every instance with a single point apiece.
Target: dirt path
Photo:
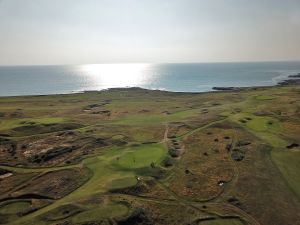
(200, 128)
(166, 133)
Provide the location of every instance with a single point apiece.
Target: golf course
(131, 156)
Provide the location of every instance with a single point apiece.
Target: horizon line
(116, 63)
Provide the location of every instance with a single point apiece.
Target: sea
(178, 77)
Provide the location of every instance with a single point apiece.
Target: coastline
(129, 138)
(198, 77)
(291, 80)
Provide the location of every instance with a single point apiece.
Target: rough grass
(156, 119)
(13, 123)
(288, 163)
(111, 210)
(221, 222)
(265, 97)
(15, 207)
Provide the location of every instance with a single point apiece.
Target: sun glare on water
(102, 76)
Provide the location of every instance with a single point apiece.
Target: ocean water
(191, 77)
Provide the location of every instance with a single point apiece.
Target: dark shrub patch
(234, 201)
(293, 145)
(174, 153)
(100, 142)
(172, 136)
(228, 147)
(3, 171)
(237, 155)
(242, 143)
(138, 217)
(53, 153)
(168, 162)
(3, 140)
(43, 128)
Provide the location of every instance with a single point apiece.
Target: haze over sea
(187, 77)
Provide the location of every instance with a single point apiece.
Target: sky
(43, 32)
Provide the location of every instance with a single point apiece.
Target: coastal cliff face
(136, 156)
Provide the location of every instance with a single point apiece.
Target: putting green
(257, 123)
(263, 127)
(142, 156)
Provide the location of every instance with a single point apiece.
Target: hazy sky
(104, 31)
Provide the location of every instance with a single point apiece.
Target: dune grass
(222, 222)
(111, 210)
(13, 123)
(157, 118)
(288, 163)
(15, 207)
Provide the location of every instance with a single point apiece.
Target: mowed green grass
(123, 182)
(142, 156)
(257, 123)
(102, 173)
(264, 127)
